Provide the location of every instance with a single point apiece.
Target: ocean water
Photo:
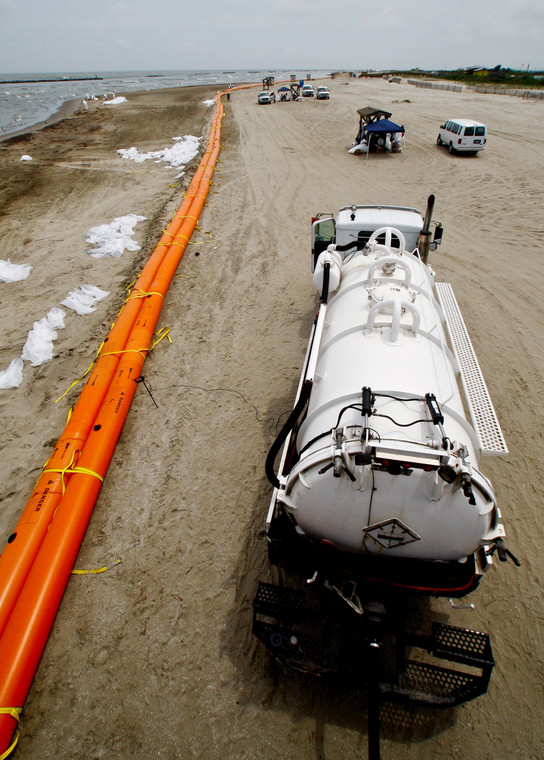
(24, 103)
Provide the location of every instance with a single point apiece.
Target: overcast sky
(131, 35)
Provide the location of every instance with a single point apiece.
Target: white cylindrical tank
(391, 470)
(334, 260)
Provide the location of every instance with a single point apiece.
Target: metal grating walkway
(481, 408)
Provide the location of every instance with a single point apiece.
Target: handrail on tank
(397, 305)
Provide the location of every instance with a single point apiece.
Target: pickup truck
(266, 96)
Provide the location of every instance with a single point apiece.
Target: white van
(462, 135)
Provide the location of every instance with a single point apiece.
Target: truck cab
(355, 224)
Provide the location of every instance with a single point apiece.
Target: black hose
(285, 431)
(347, 246)
(326, 280)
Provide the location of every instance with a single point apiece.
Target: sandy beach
(155, 657)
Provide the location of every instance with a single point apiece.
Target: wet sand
(155, 657)
(66, 110)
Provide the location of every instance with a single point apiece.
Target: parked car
(308, 91)
(463, 135)
(322, 93)
(266, 96)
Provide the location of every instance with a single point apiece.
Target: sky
(136, 35)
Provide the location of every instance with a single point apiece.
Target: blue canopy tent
(289, 93)
(383, 125)
(379, 129)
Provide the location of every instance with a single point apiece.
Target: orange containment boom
(40, 554)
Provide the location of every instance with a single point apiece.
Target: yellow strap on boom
(98, 570)
(15, 713)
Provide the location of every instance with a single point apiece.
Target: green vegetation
(483, 76)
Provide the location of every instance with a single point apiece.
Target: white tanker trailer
(378, 494)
